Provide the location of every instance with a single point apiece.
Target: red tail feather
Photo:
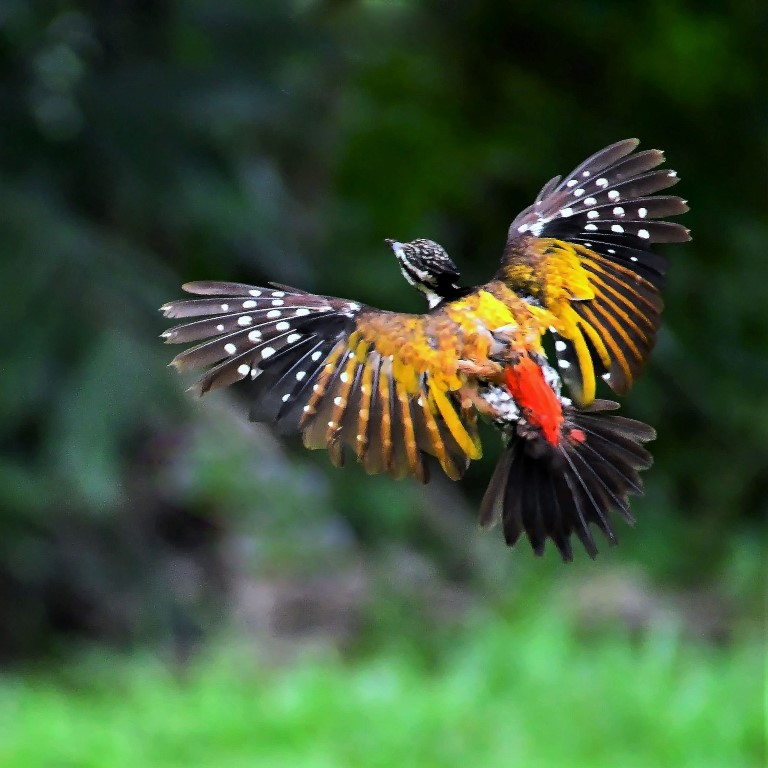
(538, 402)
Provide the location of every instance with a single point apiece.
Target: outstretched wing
(336, 371)
(583, 249)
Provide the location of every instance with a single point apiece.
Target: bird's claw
(485, 370)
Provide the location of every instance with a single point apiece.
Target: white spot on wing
(294, 337)
(590, 201)
(300, 375)
(644, 233)
(592, 215)
(590, 227)
(316, 356)
(244, 320)
(618, 211)
(230, 349)
(613, 195)
(244, 369)
(282, 326)
(250, 304)
(301, 311)
(617, 228)
(274, 313)
(566, 212)
(254, 335)
(255, 292)
(642, 212)
(601, 182)
(560, 346)
(267, 352)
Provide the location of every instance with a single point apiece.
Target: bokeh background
(179, 587)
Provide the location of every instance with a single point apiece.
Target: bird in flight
(394, 388)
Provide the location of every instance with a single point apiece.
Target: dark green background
(144, 143)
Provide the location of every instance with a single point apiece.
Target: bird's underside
(394, 388)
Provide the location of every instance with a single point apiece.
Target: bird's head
(428, 268)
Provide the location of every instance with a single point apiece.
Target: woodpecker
(395, 388)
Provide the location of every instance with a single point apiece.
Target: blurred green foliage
(519, 692)
(147, 142)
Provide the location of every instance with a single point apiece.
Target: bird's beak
(394, 244)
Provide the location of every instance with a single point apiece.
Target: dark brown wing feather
(607, 214)
(305, 367)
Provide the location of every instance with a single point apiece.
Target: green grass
(529, 692)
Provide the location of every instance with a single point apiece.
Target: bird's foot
(487, 369)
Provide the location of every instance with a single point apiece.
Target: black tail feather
(548, 492)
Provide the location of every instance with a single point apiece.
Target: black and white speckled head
(428, 268)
